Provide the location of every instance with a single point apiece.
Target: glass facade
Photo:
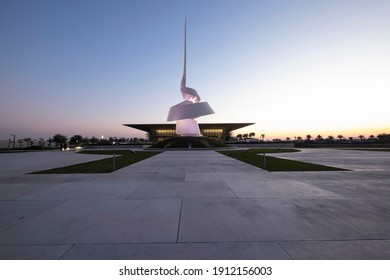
(219, 131)
(216, 133)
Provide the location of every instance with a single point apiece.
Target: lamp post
(13, 143)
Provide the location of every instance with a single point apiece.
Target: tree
(308, 137)
(94, 140)
(319, 138)
(340, 137)
(20, 141)
(288, 139)
(42, 143)
(262, 136)
(50, 141)
(330, 138)
(59, 139)
(361, 137)
(76, 140)
(239, 136)
(350, 139)
(384, 137)
(245, 135)
(252, 134)
(28, 141)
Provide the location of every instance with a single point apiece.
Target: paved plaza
(196, 205)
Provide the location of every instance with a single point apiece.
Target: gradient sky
(292, 67)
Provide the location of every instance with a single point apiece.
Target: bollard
(113, 163)
(264, 161)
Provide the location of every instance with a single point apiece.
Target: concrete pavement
(196, 205)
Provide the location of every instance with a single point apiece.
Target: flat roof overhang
(225, 126)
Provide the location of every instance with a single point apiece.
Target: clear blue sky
(292, 67)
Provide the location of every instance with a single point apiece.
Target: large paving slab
(85, 191)
(33, 252)
(348, 159)
(164, 189)
(258, 220)
(339, 250)
(27, 162)
(99, 221)
(183, 251)
(196, 205)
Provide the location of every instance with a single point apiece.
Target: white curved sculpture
(185, 112)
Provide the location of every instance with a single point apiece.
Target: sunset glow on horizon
(292, 67)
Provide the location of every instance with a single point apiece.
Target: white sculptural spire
(188, 93)
(185, 112)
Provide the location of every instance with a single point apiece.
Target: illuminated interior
(218, 131)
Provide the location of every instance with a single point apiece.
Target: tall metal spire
(183, 80)
(185, 112)
(188, 93)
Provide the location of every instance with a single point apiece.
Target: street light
(13, 144)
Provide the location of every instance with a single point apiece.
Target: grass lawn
(123, 158)
(276, 164)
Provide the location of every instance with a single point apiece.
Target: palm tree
(308, 137)
(20, 141)
(340, 137)
(361, 137)
(384, 137)
(319, 138)
(330, 138)
(28, 141)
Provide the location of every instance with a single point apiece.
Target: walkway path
(197, 205)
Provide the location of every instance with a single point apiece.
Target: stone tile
(152, 190)
(86, 191)
(100, 221)
(14, 191)
(367, 215)
(40, 252)
(169, 176)
(215, 176)
(16, 212)
(363, 188)
(22, 163)
(217, 220)
(179, 251)
(339, 250)
(309, 211)
(245, 188)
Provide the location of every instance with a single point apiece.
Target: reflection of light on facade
(167, 132)
(214, 133)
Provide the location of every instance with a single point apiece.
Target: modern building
(218, 131)
(185, 113)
